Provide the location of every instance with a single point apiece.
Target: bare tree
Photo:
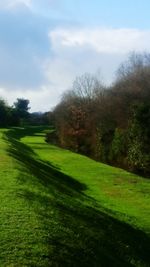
(87, 86)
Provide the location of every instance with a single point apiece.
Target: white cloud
(85, 50)
(76, 51)
(101, 40)
(9, 4)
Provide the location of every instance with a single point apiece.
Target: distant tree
(21, 108)
(39, 118)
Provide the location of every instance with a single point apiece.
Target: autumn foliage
(112, 124)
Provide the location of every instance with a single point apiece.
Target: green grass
(63, 209)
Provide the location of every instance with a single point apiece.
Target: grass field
(63, 209)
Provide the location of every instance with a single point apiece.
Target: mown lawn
(63, 209)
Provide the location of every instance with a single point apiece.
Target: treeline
(109, 124)
(18, 114)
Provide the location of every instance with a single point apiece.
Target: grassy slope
(113, 188)
(62, 209)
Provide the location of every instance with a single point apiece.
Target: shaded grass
(53, 220)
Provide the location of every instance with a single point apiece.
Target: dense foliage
(112, 124)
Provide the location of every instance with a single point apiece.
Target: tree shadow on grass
(46, 173)
(77, 234)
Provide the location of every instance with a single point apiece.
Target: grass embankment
(63, 209)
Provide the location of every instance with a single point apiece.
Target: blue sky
(45, 44)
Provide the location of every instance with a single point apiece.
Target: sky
(46, 44)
